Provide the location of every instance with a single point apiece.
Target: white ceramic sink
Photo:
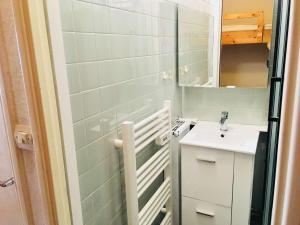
(238, 138)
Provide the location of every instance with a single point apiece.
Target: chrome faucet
(223, 121)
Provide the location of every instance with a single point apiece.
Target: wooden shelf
(246, 34)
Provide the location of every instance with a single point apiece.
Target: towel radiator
(156, 127)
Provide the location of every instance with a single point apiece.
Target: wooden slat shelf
(246, 34)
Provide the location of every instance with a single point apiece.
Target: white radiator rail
(162, 126)
(149, 126)
(151, 138)
(135, 138)
(150, 118)
(152, 168)
(167, 220)
(156, 203)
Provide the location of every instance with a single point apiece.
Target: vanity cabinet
(216, 186)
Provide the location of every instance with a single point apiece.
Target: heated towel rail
(136, 137)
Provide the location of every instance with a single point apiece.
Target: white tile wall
(116, 52)
(245, 106)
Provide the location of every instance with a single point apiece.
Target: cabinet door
(196, 212)
(207, 174)
(242, 189)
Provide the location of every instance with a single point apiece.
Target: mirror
(225, 44)
(195, 35)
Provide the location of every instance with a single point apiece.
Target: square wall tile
(107, 168)
(104, 194)
(88, 75)
(79, 135)
(110, 211)
(122, 70)
(83, 16)
(103, 46)
(86, 47)
(88, 210)
(77, 107)
(94, 128)
(140, 46)
(108, 97)
(102, 22)
(82, 160)
(87, 184)
(123, 113)
(120, 46)
(73, 78)
(106, 76)
(70, 47)
(167, 10)
(142, 24)
(108, 121)
(66, 9)
(123, 22)
(91, 102)
(95, 153)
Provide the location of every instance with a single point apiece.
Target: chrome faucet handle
(224, 115)
(223, 122)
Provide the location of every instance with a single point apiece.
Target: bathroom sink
(238, 138)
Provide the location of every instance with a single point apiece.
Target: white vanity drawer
(207, 174)
(196, 212)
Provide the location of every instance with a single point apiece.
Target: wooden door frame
(34, 54)
(42, 89)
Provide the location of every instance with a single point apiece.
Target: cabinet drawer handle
(7, 183)
(211, 161)
(205, 213)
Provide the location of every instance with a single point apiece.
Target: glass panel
(271, 171)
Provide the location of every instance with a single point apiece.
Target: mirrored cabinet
(225, 44)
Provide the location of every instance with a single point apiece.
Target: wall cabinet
(216, 186)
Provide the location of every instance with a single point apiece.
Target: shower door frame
(276, 77)
(56, 44)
